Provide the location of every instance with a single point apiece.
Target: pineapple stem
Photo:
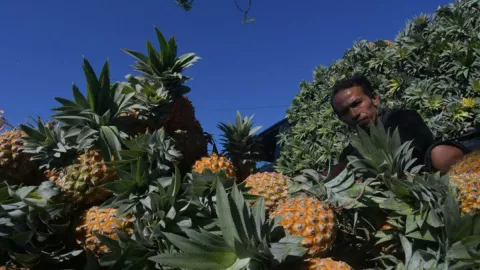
(341, 207)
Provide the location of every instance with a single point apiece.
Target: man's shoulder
(399, 115)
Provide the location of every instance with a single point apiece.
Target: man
(355, 103)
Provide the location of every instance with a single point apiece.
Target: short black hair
(355, 80)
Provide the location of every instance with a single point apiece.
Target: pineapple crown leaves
(382, 153)
(244, 241)
(341, 190)
(458, 251)
(50, 143)
(104, 101)
(147, 93)
(435, 218)
(139, 187)
(154, 200)
(33, 223)
(204, 184)
(164, 68)
(165, 61)
(238, 139)
(99, 111)
(157, 149)
(462, 244)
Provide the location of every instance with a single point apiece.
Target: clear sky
(255, 68)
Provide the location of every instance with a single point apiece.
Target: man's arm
(411, 127)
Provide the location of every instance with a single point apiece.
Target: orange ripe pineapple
(310, 218)
(272, 186)
(214, 163)
(327, 264)
(101, 221)
(465, 174)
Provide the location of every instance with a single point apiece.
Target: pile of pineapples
(122, 179)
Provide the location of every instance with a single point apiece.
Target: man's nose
(355, 113)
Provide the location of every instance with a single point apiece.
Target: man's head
(354, 101)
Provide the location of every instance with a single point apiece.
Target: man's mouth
(363, 122)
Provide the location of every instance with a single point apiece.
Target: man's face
(354, 107)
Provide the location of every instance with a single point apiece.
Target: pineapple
(104, 222)
(81, 180)
(246, 240)
(186, 130)
(13, 267)
(92, 123)
(160, 94)
(240, 145)
(327, 264)
(465, 175)
(470, 163)
(214, 163)
(11, 156)
(77, 168)
(272, 186)
(16, 166)
(312, 219)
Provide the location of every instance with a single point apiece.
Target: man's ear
(376, 100)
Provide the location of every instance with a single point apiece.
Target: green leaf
(206, 261)
(68, 103)
(288, 246)
(410, 224)
(21, 239)
(174, 187)
(140, 57)
(258, 213)
(225, 218)
(120, 186)
(93, 85)
(155, 63)
(33, 133)
(79, 98)
(23, 192)
(109, 242)
(458, 251)
(407, 248)
(186, 245)
(396, 205)
(111, 142)
(164, 49)
(241, 215)
(213, 242)
(157, 203)
(46, 190)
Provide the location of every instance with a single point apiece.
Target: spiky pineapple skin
(214, 163)
(81, 180)
(13, 267)
(327, 264)
(181, 124)
(15, 165)
(184, 127)
(310, 218)
(465, 173)
(470, 163)
(101, 221)
(272, 186)
(468, 192)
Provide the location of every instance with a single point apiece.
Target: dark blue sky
(243, 66)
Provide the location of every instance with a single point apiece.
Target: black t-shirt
(410, 127)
